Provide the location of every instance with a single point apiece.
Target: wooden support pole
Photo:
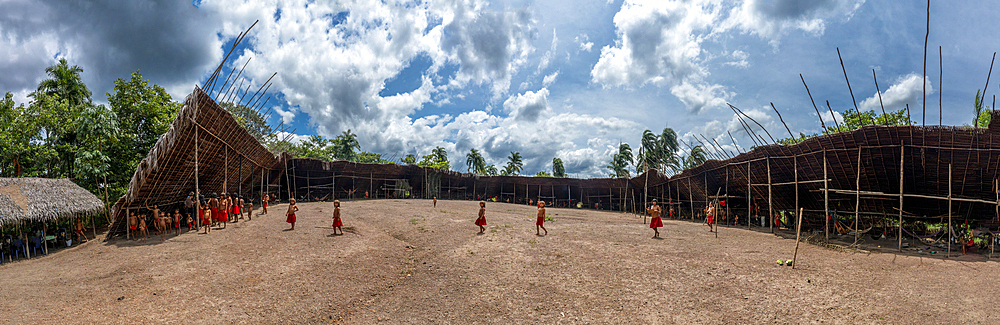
(798, 234)
(749, 197)
(795, 167)
(45, 232)
(950, 235)
(729, 216)
(715, 219)
(826, 199)
(225, 181)
(645, 195)
(691, 197)
(288, 184)
(770, 205)
(997, 207)
(902, 150)
(857, 198)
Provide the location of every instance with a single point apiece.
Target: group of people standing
(202, 211)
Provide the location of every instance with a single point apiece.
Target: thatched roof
(228, 157)
(44, 199)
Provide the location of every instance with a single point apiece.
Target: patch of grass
(532, 241)
(493, 230)
(549, 218)
(506, 225)
(443, 211)
(413, 221)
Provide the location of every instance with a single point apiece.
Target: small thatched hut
(44, 199)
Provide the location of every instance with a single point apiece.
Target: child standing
(541, 218)
(177, 221)
(206, 221)
(80, 229)
(710, 217)
(481, 221)
(435, 201)
(132, 224)
(655, 221)
(290, 214)
(337, 223)
(266, 198)
(143, 232)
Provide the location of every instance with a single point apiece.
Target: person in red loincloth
(337, 223)
(481, 221)
(213, 208)
(710, 217)
(290, 214)
(132, 224)
(177, 221)
(206, 221)
(655, 221)
(266, 198)
(435, 201)
(223, 217)
(541, 218)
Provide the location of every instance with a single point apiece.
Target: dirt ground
(403, 261)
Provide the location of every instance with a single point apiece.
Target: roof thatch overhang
(44, 199)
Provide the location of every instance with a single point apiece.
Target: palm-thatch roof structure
(44, 199)
(204, 137)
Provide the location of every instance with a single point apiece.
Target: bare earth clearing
(403, 261)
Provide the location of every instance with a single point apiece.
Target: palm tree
(648, 151)
(558, 170)
(440, 154)
(490, 170)
(344, 145)
(65, 83)
(475, 162)
(621, 160)
(667, 150)
(695, 157)
(514, 164)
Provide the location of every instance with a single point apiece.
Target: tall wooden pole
(798, 234)
(795, 167)
(691, 197)
(225, 172)
(770, 206)
(949, 211)
(197, 189)
(728, 204)
(826, 199)
(857, 198)
(45, 232)
(288, 183)
(902, 150)
(239, 178)
(645, 195)
(749, 197)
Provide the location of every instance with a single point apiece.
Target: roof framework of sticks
(44, 199)
(227, 157)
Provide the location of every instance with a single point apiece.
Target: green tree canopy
(514, 164)
(475, 162)
(558, 170)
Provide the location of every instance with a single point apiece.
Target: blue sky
(545, 78)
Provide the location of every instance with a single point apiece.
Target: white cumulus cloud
(905, 90)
